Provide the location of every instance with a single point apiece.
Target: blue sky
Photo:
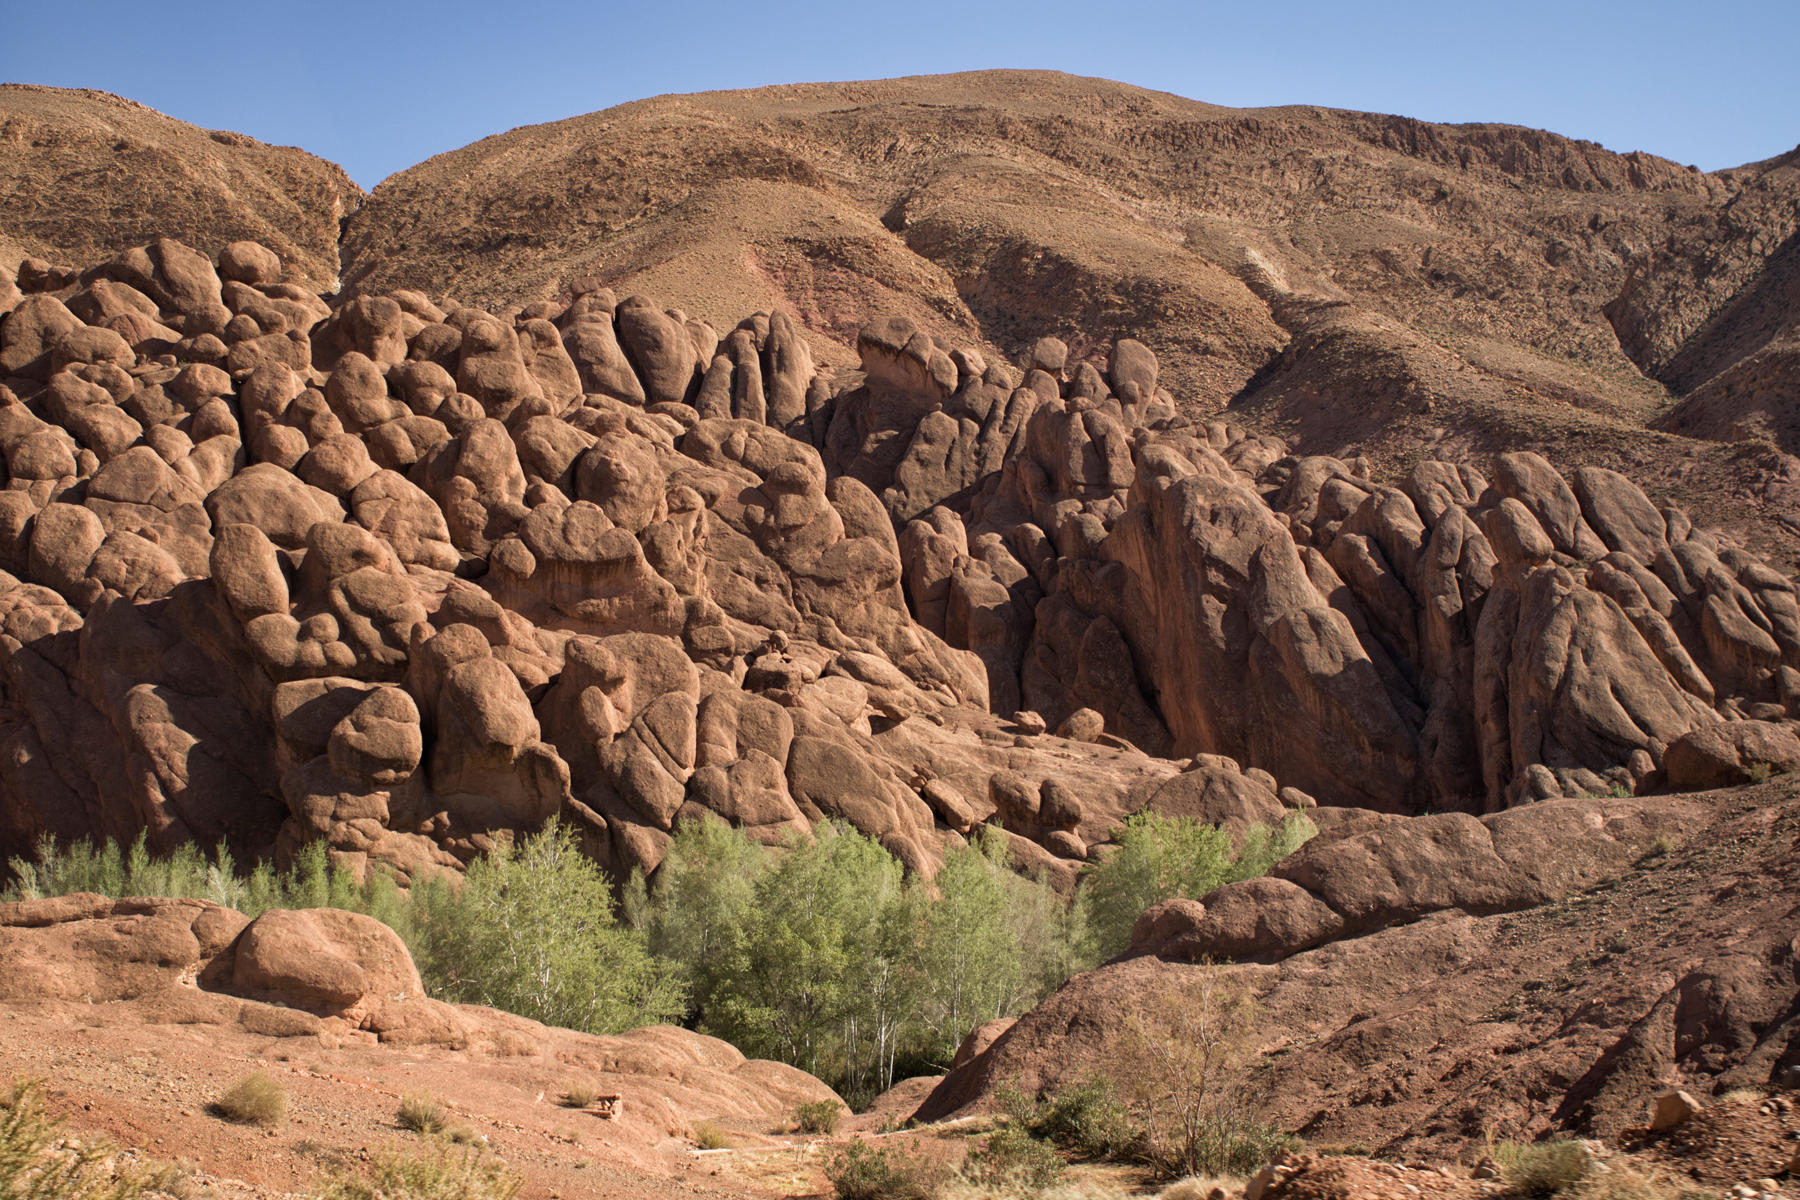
(378, 87)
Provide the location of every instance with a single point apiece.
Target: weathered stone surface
(594, 559)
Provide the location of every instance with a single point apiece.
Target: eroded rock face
(1452, 643)
(406, 576)
(1422, 981)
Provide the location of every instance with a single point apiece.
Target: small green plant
(253, 1100)
(422, 1114)
(818, 1116)
(859, 1171)
(708, 1136)
(462, 1135)
(447, 1173)
(1542, 1169)
(39, 1162)
(1089, 1119)
(580, 1095)
(1014, 1161)
(1759, 772)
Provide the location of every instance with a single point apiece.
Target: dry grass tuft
(708, 1136)
(447, 1173)
(253, 1100)
(422, 1114)
(580, 1095)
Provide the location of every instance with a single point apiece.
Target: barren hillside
(86, 174)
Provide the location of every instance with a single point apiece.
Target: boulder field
(401, 574)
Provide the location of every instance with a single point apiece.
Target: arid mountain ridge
(1344, 488)
(1472, 288)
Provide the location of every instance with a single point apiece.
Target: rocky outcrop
(400, 576)
(1442, 979)
(1347, 883)
(1454, 642)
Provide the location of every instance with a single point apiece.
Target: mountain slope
(85, 174)
(1363, 283)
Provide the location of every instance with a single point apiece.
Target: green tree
(705, 889)
(881, 1013)
(530, 929)
(971, 958)
(790, 978)
(1162, 857)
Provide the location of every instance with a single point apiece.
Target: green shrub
(530, 929)
(1160, 858)
(39, 1162)
(253, 1100)
(818, 1116)
(1544, 1168)
(820, 973)
(858, 1171)
(311, 881)
(1014, 1161)
(422, 1114)
(704, 889)
(1089, 1119)
(447, 1173)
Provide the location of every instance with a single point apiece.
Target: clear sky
(378, 87)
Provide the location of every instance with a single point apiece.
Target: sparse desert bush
(818, 1116)
(1199, 1187)
(446, 1173)
(253, 1100)
(422, 1114)
(1014, 1162)
(1180, 1064)
(708, 1136)
(580, 1095)
(39, 1162)
(1089, 1119)
(1543, 1168)
(859, 1171)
